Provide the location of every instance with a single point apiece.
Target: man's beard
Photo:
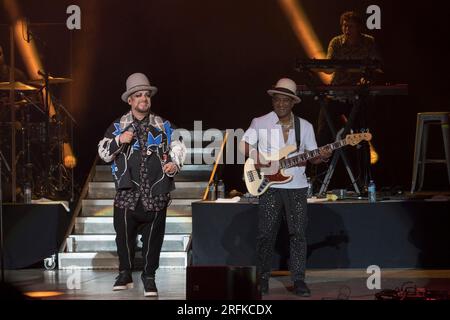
(143, 109)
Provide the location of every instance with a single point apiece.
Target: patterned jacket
(158, 149)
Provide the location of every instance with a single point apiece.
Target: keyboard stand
(339, 153)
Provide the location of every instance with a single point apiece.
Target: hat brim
(271, 92)
(126, 94)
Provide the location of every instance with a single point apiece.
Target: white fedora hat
(137, 82)
(286, 87)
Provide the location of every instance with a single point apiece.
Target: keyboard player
(352, 44)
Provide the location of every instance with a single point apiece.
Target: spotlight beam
(305, 33)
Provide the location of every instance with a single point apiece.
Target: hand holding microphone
(126, 137)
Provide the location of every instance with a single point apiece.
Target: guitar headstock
(355, 138)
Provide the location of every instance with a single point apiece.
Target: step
(189, 172)
(184, 190)
(104, 207)
(199, 156)
(106, 242)
(195, 172)
(109, 260)
(104, 225)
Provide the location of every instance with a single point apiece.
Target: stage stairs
(91, 243)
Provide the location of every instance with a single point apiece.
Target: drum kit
(38, 154)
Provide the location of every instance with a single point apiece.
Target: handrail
(77, 210)
(211, 178)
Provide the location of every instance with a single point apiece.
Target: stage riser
(104, 225)
(184, 190)
(351, 234)
(109, 260)
(89, 243)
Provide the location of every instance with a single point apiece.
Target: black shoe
(123, 281)
(150, 289)
(264, 284)
(301, 289)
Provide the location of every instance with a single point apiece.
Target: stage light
(70, 161)
(373, 154)
(42, 294)
(304, 32)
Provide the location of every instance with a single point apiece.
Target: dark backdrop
(214, 61)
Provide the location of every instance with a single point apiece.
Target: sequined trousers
(273, 204)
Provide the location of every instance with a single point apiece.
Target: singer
(144, 161)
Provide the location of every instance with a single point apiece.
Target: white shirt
(265, 132)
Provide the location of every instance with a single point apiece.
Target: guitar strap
(297, 131)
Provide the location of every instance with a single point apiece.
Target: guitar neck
(295, 161)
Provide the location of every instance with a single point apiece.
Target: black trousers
(151, 225)
(273, 204)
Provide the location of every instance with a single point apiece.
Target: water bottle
(372, 191)
(310, 188)
(27, 193)
(220, 189)
(212, 192)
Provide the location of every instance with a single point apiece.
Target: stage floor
(325, 284)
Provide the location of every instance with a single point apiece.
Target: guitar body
(257, 182)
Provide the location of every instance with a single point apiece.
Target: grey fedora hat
(137, 82)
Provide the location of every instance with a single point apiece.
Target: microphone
(130, 128)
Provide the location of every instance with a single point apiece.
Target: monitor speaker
(222, 283)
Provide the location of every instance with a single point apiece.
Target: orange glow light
(373, 154)
(43, 294)
(30, 57)
(304, 32)
(69, 159)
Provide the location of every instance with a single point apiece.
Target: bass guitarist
(269, 134)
